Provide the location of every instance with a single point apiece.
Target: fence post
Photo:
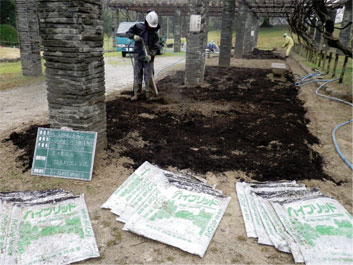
(329, 63)
(343, 69)
(335, 65)
(320, 59)
(316, 56)
(324, 60)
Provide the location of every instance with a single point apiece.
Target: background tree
(107, 20)
(7, 12)
(266, 23)
(314, 14)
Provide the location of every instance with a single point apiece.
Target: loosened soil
(263, 54)
(240, 119)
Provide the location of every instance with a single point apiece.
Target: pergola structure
(268, 8)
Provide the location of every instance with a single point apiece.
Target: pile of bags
(178, 210)
(315, 228)
(45, 227)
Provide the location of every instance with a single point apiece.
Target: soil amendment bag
(50, 227)
(178, 210)
(316, 229)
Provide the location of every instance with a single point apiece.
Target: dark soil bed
(263, 54)
(239, 120)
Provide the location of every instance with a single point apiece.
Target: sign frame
(45, 174)
(195, 23)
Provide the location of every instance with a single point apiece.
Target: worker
(288, 42)
(144, 34)
(212, 46)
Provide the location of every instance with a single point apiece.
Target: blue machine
(123, 43)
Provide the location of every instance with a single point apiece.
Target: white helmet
(152, 19)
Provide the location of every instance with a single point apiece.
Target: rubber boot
(137, 91)
(148, 95)
(151, 87)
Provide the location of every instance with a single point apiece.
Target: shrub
(8, 35)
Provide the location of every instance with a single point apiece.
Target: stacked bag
(314, 228)
(45, 227)
(179, 210)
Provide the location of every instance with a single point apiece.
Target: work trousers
(142, 70)
(289, 48)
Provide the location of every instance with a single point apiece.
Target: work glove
(137, 38)
(148, 58)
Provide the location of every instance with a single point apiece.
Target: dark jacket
(150, 38)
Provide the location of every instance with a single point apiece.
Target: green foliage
(266, 23)
(7, 12)
(215, 23)
(8, 35)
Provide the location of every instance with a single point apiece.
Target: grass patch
(347, 79)
(171, 41)
(271, 37)
(111, 54)
(268, 37)
(11, 76)
(348, 76)
(108, 43)
(216, 36)
(167, 53)
(115, 63)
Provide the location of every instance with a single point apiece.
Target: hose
(168, 66)
(308, 79)
(336, 145)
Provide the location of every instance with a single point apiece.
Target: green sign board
(64, 154)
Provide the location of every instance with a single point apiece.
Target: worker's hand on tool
(148, 58)
(137, 38)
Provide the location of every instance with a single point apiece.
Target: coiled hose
(311, 78)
